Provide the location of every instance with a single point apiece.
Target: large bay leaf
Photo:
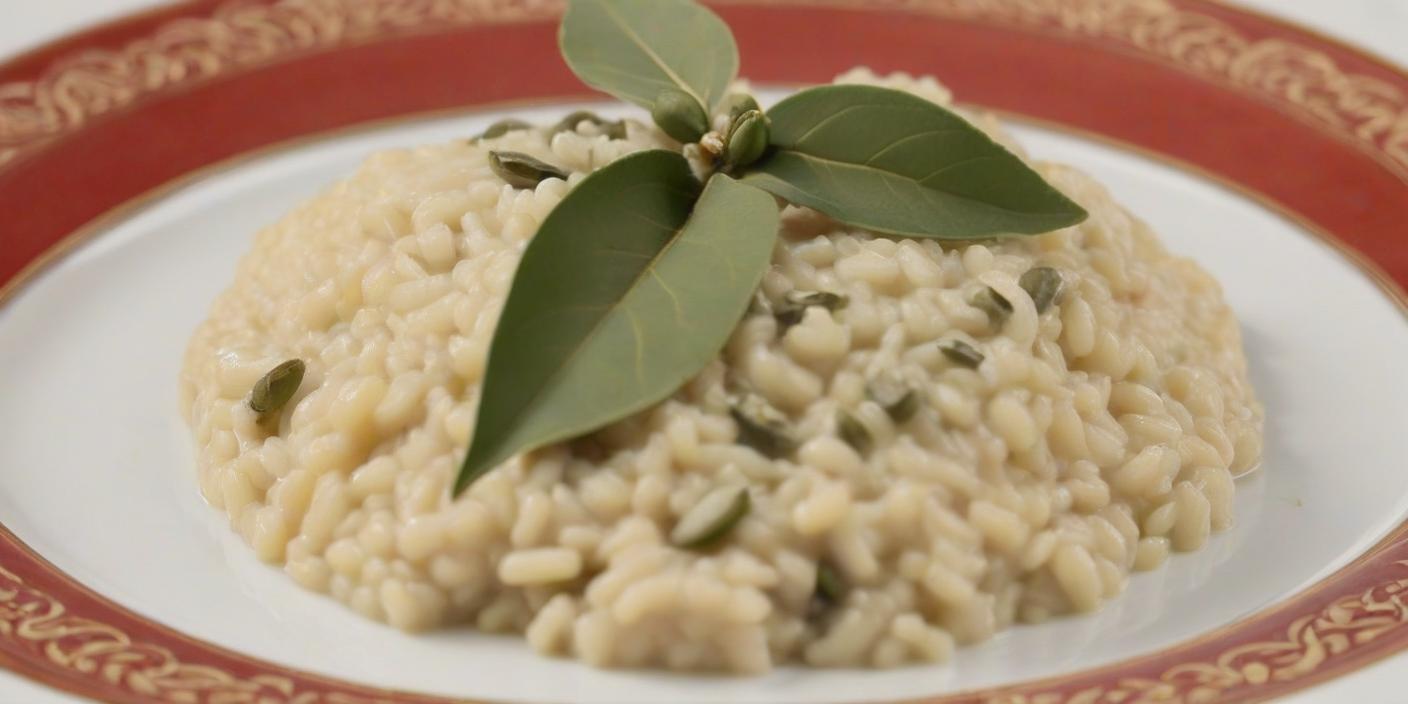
(897, 164)
(628, 289)
(634, 49)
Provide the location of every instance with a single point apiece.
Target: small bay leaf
(628, 289)
(634, 49)
(890, 162)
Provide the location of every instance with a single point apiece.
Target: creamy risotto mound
(1048, 455)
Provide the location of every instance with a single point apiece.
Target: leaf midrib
(650, 53)
(883, 172)
(607, 312)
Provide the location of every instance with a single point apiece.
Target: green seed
(276, 389)
(680, 116)
(503, 127)
(962, 354)
(1043, 284)
(522, 171)
(762, 427)
(829, 586)
(712, 518)
(795, 304)
(747, 139)
(738, 103)
(854, 432)
(900, 402)
(825, 299)
(994, 304)
(612, 129)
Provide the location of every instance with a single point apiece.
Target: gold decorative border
(238, 36)
(1309, 641)
(90, 648)
(1304, 81)
(1365, 111)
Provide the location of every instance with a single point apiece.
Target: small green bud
(738, 103)
(680, 116)
(747, 139)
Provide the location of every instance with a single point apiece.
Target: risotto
(1080, 425)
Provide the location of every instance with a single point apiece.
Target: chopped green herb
(900, 402)
(275, 389)
(962, 354)
(828, 591)
(762, 427)
(503, 127)
(828, 583)
(854, 432)
(708, 521)
(1043, 284)
(988, 300)
(613, 129)
(522, 171)
(795, 304)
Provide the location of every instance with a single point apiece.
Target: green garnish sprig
(638, 276)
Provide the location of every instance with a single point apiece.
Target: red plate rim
(1219, 90)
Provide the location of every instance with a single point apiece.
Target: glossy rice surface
(1091, 440)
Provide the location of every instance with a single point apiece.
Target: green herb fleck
(707, 522)
(828, 583)
(900, 402)
(613, 129)
(962, 354)
(988, 300)
(503, 127)
(795, 304)
(1043, 284)
(522, 171)
(762, 427)
(275, 389)
(854, 432)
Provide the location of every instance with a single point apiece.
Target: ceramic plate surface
(137, 160)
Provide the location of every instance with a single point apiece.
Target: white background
(1379, 25)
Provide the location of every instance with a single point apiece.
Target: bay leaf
(634, 49)
(897, 164)
(631, 285)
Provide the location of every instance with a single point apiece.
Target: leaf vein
(949, 167)
(823, 122)
(650, 53)
(674, 298)
(881, 173)
(902, 140)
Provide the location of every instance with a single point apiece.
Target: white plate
(99, 477)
